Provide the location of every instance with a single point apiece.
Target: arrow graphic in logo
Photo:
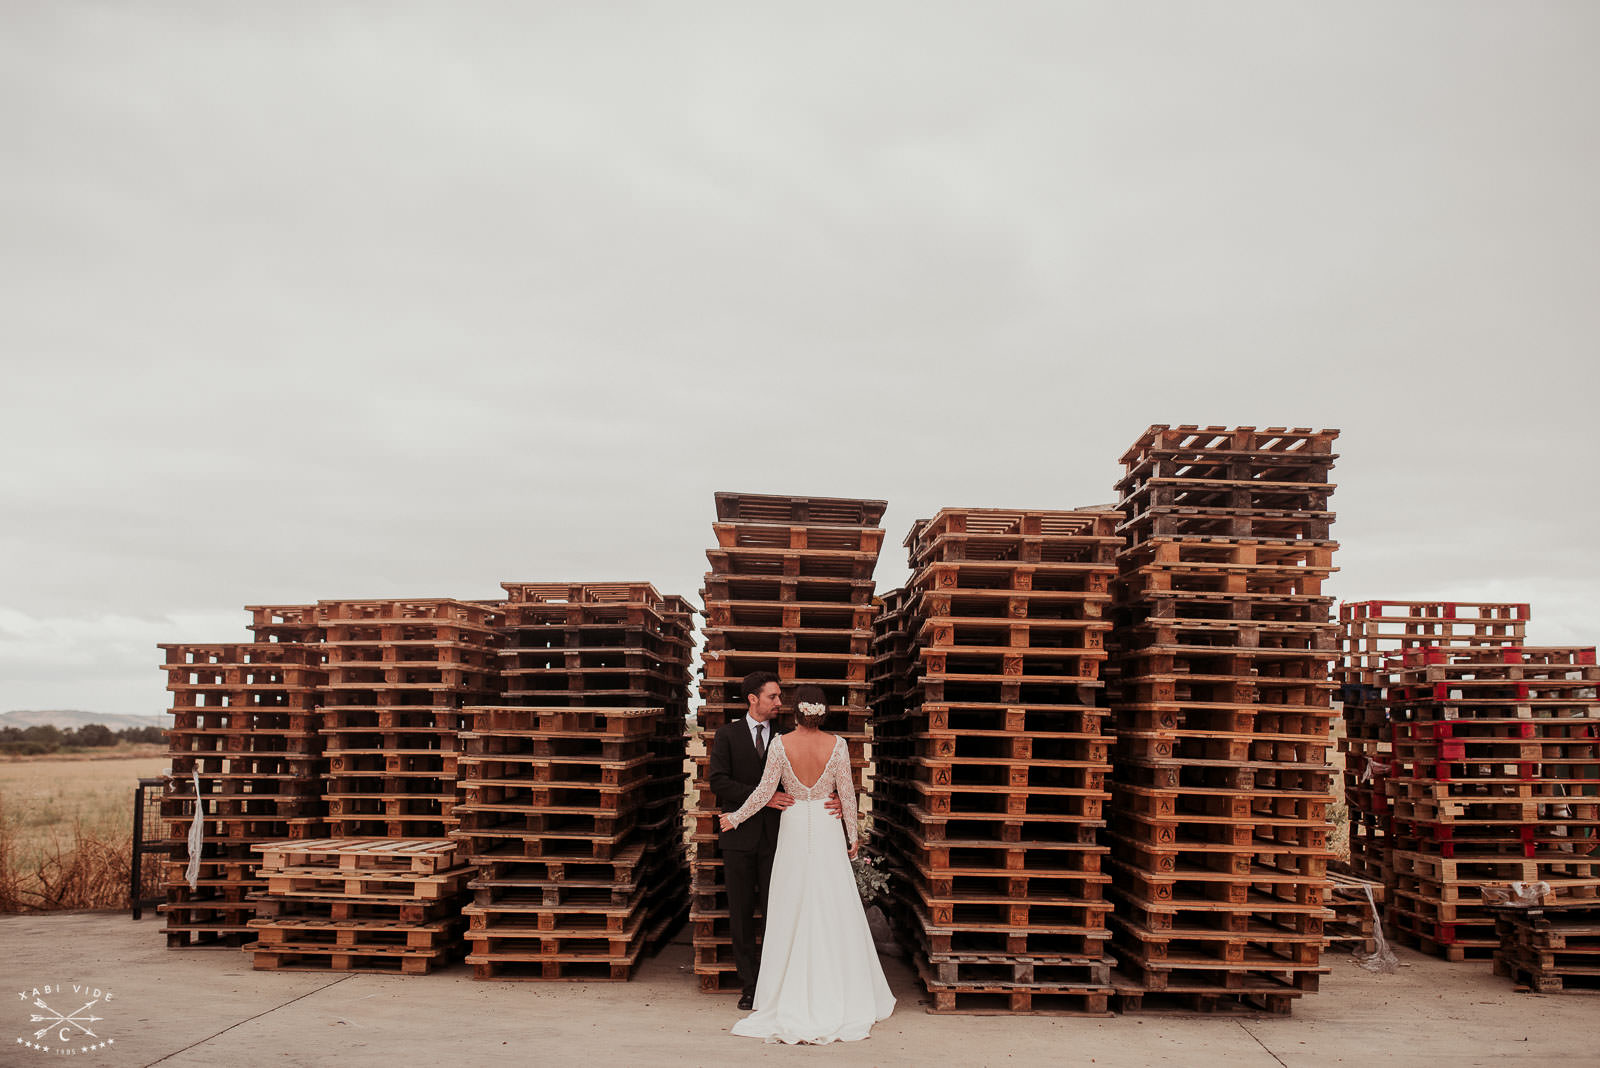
(55, 1019)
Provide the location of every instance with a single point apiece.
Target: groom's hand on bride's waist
(780, 800)
(835, 806)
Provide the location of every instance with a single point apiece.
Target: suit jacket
(735, 771)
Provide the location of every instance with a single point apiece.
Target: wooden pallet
(1247, 495)
(320, 958)
(1549, 948)
(809, 563)
(805, 511)
(1190, 440)
(505, 941)
(369, 885)
(353, 934)
(790, 535)
(520, 970)
(988, 998)
(1083, 535)
(1371, 632)
(1536, 977)
(423, 856)
(284, 624)
(340, 910)
(1132, 999)
(1151, 520)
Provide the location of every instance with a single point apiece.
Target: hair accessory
(809, 708)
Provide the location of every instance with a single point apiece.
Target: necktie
(761, 739)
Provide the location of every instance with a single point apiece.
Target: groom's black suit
(747, 850)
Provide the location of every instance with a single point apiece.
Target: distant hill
(71, 717)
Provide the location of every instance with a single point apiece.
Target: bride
(820, 980)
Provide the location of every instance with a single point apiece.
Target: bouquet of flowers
(872, 882)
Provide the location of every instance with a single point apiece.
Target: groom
(738, 757)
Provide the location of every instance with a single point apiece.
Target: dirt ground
(209, 1008)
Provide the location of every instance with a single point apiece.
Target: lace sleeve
(846, 787)
(777, 761)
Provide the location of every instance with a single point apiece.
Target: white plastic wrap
(197, 835)
(1381, 959)
(1517, 895)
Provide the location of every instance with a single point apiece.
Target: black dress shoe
(747, 1001)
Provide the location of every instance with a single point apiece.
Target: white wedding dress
(820, 980)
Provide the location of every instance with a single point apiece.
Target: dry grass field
(66, 830)
(66, 827)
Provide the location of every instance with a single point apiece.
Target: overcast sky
(368, 300)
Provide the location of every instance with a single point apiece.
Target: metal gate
(149, 840)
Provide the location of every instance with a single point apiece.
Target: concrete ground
(206, 1007)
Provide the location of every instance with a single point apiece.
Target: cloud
(334, 302)
(101, 663)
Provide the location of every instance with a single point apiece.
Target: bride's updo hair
(811, 706)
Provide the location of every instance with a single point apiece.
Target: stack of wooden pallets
(1371, 634)
(789, 591)
(291, 623)
(888, 685)
(991, 766)
(572, 799)
(359, 905)
(550, 818)
(889, 677)
(1222, 709)
(1549, 948)
(399, 674)
(1496, 780)
(616, 644)
(244, 719)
